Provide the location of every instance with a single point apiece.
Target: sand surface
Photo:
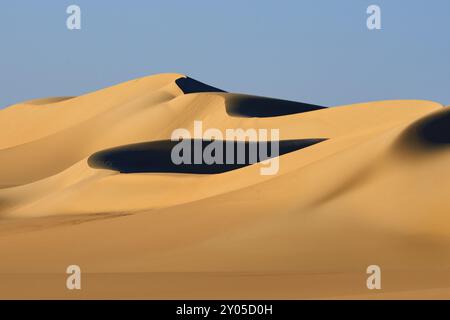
(375, 190)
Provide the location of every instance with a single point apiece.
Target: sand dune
(86, 180)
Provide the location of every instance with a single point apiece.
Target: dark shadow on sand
(189, 85)
(242, 105)
(435, 130)
(262, 107)
(156, 156)
(431, 132)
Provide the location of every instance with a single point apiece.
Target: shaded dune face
(156, 156)
(47, 101)
(243, 105)
(431, 132)
(240, 105)
(189, 85)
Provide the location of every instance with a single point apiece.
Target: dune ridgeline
(88, 181)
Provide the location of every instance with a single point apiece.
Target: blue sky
(316, 51)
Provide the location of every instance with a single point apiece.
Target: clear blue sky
(316, 51)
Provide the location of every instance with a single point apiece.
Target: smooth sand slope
(85, 180)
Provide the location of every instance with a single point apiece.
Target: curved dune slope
(357, 185)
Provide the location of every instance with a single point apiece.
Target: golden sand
(377, 191)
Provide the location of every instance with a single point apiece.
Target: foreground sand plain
(376, 191)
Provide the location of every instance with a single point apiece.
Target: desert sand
(374, 190)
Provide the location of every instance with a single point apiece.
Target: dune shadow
(189, 85)
(156, 156)
(432, 131)
(48, 101)
(435, 130)
(241, 105)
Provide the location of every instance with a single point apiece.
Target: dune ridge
(357, 185)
